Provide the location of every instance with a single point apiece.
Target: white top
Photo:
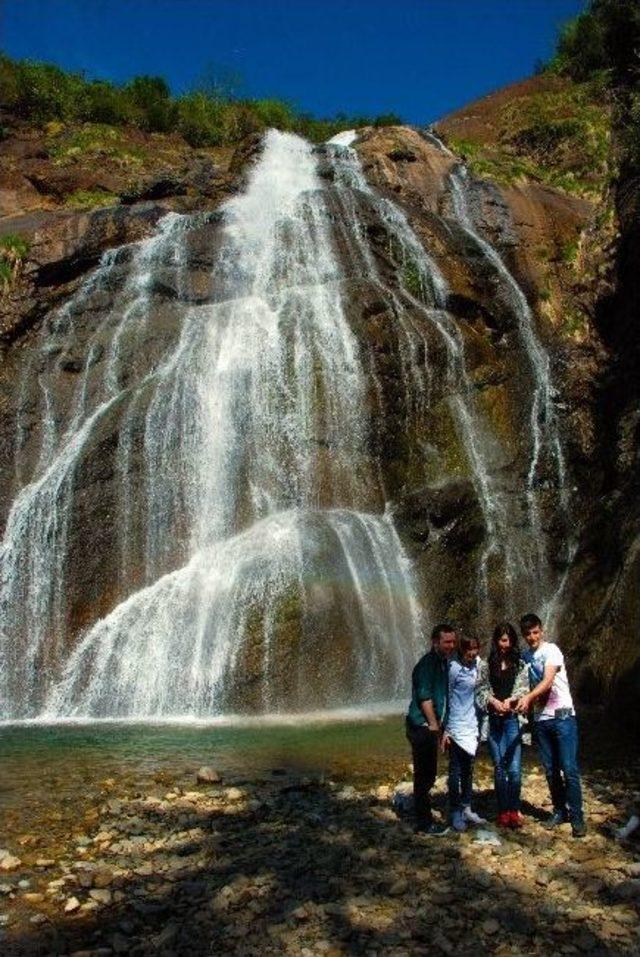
(559, 695)
(462, 718)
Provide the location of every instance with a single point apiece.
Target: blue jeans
(557, 741)
(460, 777)
(505, 744)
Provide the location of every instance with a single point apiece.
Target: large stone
(208, 775)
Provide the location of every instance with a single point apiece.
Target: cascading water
(503, 545)
(225, 388)
(545, 437)
(257, 475)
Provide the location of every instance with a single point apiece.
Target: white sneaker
(632, 825)
(471, 817)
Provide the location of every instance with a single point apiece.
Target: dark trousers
(557, 741)
(460, 777)
(424, 748)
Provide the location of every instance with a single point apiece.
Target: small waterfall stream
(259, 567)
(545, 436)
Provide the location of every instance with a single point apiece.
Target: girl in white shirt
(462, 733)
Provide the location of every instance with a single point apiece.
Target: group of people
(457, 699)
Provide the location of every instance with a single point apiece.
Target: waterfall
(482, 447)
(227, 394)
(545, 436)
(267, 540)
(544, 430)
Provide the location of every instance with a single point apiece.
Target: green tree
(151, 100)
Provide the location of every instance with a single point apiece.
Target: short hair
(467, 642)
(529, 621)
(442, 628)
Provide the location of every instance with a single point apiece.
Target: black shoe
(556, 819)
(432, 830)
(579, 830)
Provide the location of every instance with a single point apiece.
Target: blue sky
(418, 58)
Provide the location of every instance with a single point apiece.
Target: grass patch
(91, 141)
(91, 199)
(569, 252)
(13, 251)
(558, 137)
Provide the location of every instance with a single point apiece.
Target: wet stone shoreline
(288, 863)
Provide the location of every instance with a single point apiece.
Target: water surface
(48, 772)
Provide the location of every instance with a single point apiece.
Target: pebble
(208, 775)
(9, 863)
(288, 883)
(33, 898)
(399, 887)
(101, 895)
(233, 794)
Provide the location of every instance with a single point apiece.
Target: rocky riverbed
(287, 862)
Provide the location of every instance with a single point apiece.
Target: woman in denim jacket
(502, 680)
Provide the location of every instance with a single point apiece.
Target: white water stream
(253, 517)
(241, 412)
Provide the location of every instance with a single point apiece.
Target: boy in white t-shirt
(555, 724)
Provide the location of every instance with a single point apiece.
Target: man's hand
(523, 704)
(446, 741)
(500, 707)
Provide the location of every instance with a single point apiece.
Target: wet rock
(72, 904)
(208, 775)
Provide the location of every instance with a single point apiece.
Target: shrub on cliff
(13, 252)
(199, 120)
(105, 103)
(41, 91)
(151, 106)
(208, 116)
(603, 44)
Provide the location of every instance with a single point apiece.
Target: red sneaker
(504, 819)
(515, 819)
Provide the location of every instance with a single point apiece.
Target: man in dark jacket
(425, 718)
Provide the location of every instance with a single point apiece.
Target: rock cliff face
(492, 377)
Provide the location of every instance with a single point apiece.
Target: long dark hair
(513, 655)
